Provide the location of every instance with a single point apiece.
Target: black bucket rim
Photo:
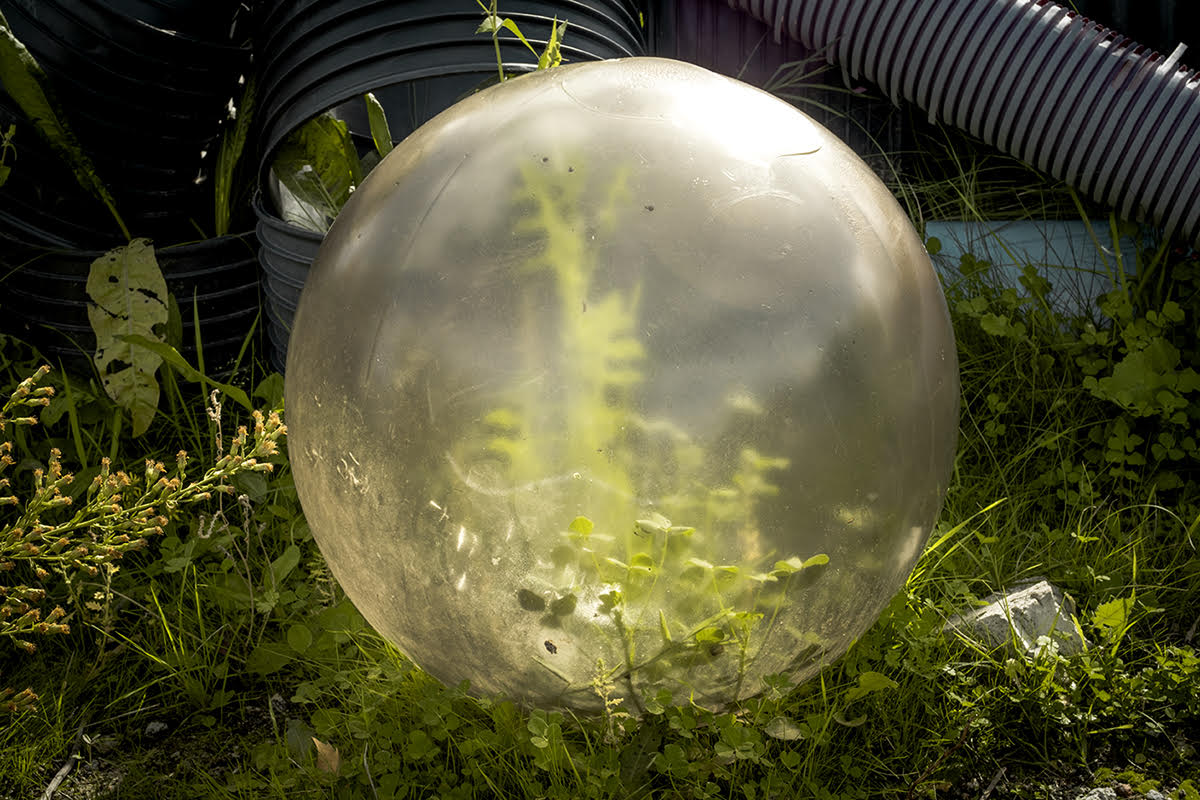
(284, 39)
(292, 248)
(170, 16)
(177, 38)
(308, 102)
(268, 218)
(63, 59)
(426, 33)
(297, 85)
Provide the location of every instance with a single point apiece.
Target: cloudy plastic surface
(627, 370)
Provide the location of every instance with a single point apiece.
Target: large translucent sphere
(620, 378)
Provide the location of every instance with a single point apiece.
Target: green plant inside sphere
(622, 378)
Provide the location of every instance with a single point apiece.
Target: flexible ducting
(1079, 101)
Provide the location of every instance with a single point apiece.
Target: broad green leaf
(25, 82)
(642, 560)
(581, 525)
(840, 718)
(299, 637)
(654, 524)
(252, 484)
(1112, 618)
(282, 566)
(299, 739)
(611, 600)
(319, 165)
(820, 559)
(270, 390)
(129, 298)
(189, 373)
(232, 145)
(783, 728)
(869, 682)
(269, 657)
(381, 134)
(788, 566)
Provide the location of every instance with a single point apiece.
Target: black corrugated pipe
(1077, 100)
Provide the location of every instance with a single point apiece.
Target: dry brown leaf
(329, 760)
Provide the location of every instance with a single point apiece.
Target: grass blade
(232, 145)
(381, 134)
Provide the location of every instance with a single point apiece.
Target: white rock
(1029, 617)
(155, 727)
(1103, 793)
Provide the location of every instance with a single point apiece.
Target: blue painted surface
(1079, 267)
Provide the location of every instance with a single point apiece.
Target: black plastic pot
(41, 204)
(145, 101)
(286, 253)
(316, 55)
(44, 297)
(125, 48)
(418, 58)
(203, 19)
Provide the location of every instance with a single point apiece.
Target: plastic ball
(625, 381)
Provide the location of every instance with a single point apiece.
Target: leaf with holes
(129, 298)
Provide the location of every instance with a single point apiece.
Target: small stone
(155, 727)
(1155, 794)
(1029, 616)
(1103, 793)
(1123, 790)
